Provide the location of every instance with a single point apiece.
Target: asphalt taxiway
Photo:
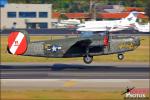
(75, 71)
(73, 84)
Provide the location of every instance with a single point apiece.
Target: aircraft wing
(83, 43)
(78, 47)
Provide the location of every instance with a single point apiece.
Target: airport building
(26, 16)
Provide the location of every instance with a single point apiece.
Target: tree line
(81, 5)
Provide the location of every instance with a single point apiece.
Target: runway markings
(102, 84)
(70, 83)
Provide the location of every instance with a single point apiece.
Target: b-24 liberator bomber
(86, 46)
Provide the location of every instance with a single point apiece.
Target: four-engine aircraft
(86, 46)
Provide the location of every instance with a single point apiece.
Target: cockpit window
(86, 34)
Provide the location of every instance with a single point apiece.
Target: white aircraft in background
(66, 23)
(145, 28)
(110, 25)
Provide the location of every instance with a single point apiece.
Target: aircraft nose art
(17, 43)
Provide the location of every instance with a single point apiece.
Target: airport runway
(75, 71)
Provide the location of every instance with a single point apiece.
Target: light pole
(92, 9)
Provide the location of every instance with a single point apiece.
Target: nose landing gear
(88, 59)
(120, 56)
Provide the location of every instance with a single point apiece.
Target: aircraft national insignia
(55, 48)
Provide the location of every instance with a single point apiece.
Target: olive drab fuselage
(81, 46)
(85, 46)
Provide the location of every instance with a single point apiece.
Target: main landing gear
(120, 56)
(88, 59)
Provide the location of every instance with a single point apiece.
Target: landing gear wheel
(120, 56)
(88, 59)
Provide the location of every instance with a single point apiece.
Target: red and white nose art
(17, 43)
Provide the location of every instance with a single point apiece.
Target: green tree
(147, 9)
(63, 17)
